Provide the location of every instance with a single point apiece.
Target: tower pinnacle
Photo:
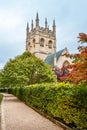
(54, 26)
(37, 20)
(27, 29)
(32, 25)
(45, 22)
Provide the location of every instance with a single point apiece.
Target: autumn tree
(78, 71)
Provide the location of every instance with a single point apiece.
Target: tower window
(50, 44)
(42, 42)
(29, 44)
(34, 43)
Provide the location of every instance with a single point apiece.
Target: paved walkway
(18, 116)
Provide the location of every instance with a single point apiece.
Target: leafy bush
(24, 70)
(1, 96)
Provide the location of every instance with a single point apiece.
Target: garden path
(18, 116)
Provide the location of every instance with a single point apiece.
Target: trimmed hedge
(1, 96)
(61, 101)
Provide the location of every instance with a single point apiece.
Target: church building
(41, 41)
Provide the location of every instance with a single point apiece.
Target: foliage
(0, 77)
(82, 37)
(78, 71)
(1, 96)
(60, 72)
(26, 69)
(61, 101)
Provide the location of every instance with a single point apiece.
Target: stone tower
(41, 41)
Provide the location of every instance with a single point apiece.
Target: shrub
(1, 96)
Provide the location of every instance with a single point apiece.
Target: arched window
(66, 63)
(34, 43)
(42, 42)
(28, 44)
(50, 44)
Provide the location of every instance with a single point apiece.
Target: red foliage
(82, 37)
(78, 70)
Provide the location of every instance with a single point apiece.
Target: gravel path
(18, 116)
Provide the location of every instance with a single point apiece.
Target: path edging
(2, 115)
(51, 119)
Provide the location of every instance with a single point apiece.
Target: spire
(27, 35)
(37, 20)
(54, 22)
(45, 22)
(32, 25)
(37, 17)
(54, 26)
(27, 29)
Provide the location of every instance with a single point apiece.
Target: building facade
(41, 41)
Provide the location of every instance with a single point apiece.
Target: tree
(82, 37)
(0, 77)
(78, 71)
(26, 69)
(60, 72)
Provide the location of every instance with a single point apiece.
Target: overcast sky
(70, 17)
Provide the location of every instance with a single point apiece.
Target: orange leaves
(82, 37)
(78, 70)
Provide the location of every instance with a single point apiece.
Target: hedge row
(1, 96)
(61, 101)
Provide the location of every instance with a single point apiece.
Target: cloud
(11, 27)
(12, 35)
(9, 20)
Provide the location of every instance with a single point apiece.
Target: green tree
(26, 69)
(0, 77)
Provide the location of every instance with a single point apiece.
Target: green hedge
(1, 96)
(61, 101)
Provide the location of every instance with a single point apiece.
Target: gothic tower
(41, 41)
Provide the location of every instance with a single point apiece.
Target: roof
(50, 58)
